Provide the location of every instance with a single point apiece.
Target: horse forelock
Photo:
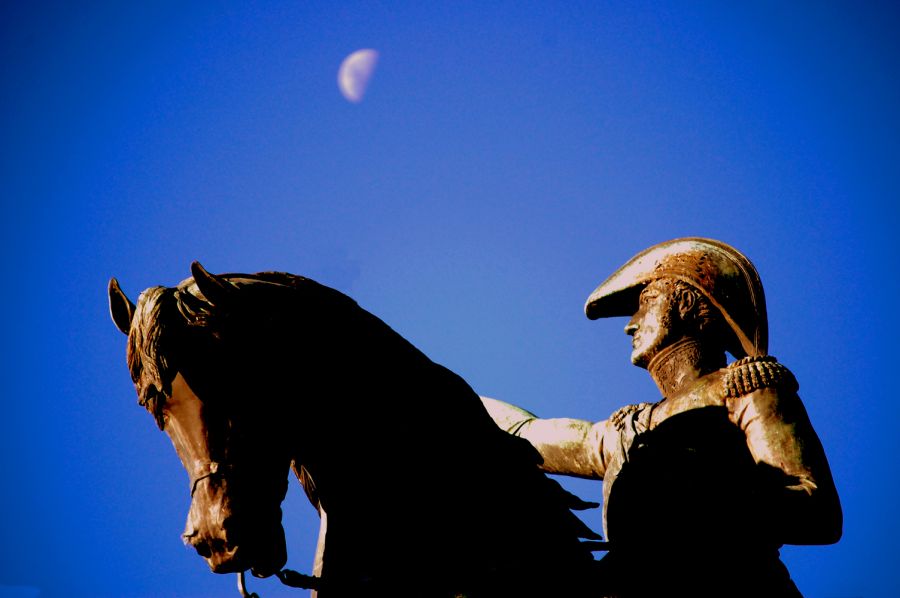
(156, 315)
(164, 315)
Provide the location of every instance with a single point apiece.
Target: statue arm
(568, 446)
(794, 469)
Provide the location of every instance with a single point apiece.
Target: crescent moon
(355, 72)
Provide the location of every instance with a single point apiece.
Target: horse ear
(120, 307)
(216, 289)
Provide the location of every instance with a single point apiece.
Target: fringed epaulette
(620, 416)
(754, 373)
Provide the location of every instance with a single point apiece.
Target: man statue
(701, 488)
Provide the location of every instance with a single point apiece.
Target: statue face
(652, 328)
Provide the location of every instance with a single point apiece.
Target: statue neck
(682, 363)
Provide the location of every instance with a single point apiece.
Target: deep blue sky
(504, 161)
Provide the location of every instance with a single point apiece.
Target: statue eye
(151, 394)
(153, 400)
(647, 297)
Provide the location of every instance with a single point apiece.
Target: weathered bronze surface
(702, 487)
(254, 375)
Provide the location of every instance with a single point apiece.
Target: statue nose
(191, 537)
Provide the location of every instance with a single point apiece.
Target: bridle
(216, 469)
(208, 470)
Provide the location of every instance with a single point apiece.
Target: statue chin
(227, 561)
(270, 550)
(264, 555)
(273, 561)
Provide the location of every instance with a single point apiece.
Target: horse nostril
(218, 545)
(200, 546)
(192, 538)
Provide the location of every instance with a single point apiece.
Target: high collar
(681, 363)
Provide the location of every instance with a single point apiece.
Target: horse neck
(353, 410)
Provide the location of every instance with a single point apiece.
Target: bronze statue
(702, 487)
(254, 374)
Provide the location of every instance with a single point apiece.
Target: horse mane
(163, 314)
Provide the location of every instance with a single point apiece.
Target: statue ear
(120, 307)
(687, 301)
(216, 289)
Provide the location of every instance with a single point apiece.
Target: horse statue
(255, 375)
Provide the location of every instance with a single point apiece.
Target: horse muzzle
(231, 541)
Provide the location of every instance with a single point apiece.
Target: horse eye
(151, 394)
(153, 399)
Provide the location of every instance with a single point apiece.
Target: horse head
(191, 365)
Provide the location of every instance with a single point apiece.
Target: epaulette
(754, 373)
(620, 415)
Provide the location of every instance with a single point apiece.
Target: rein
(290, 577)
(287, 577)
(213, 469)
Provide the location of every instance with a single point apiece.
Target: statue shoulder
(636, 417)
(755, 373)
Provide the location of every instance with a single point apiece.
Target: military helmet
(720, 272)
